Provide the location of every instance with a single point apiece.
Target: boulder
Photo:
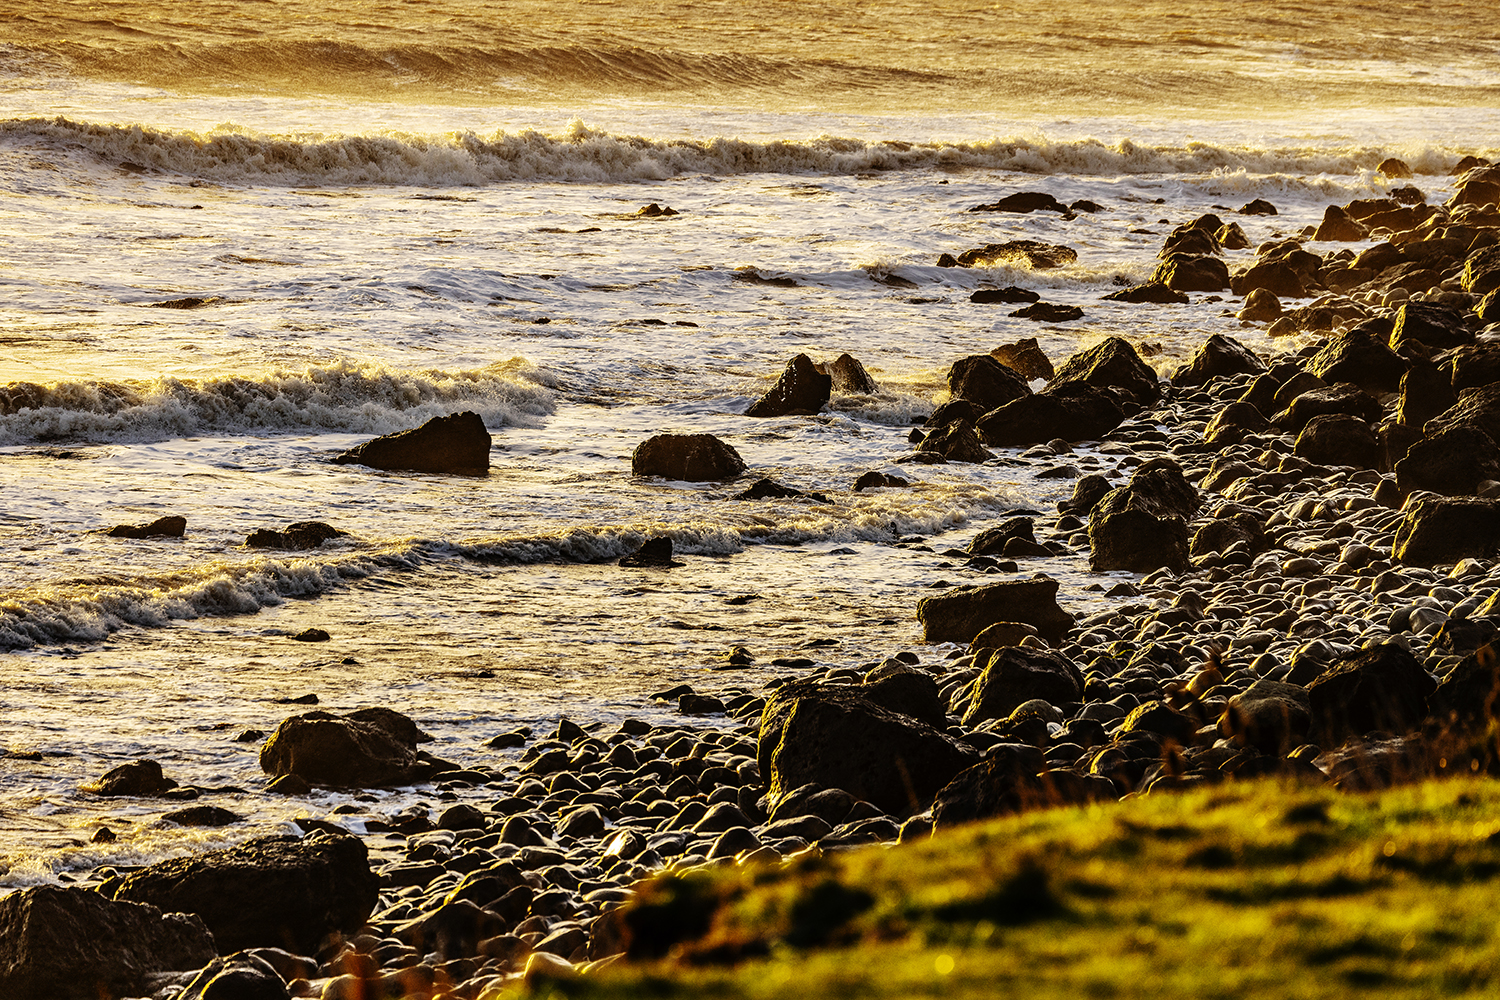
(850, 377)
(1344, 398)
(74, 944)
(1111, 363)
(1337, 226)
(1257, 207)
(1231, 236)
(769, 489)
(955, 409)
(273, 892)
(456, 444)
(1476, 408)
(1452, 461)
(1379, 688)
(1474, 366)
(171, 526)
(1470, 695)
(1049, 312)
(1260, 306)
(1360, 356)
(298, 536)
(1142, 525)
(1189, 241)
(1270, 716)
(909, 692)
(1073, 411)
(1220, 356)
(801, 389)
(985, 382)
(137, 778)
(1274, 276)
(1190, 273)
(1025, 202)
(1437, 326)
(370, 748)
(1441, 531)
(1010, 676)
(1223, 533)
(879, 481)
(956, 442)
(1481, 274)
(1394, 168)
(963, 612)
(693, 458)
(1426, 391)
(654, 553)
(991, 541)
(1233, 424)
(1478, 186)
(241, 976)
(1007, 781)
(1042, 256)
(1024, 358)
(836, 736)
(1087, 492)
(1338, 439)
(1153, 292)
(1010, 294)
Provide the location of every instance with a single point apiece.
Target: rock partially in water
(369, 748)
(298, 536)
(456, 444)
(138, 778)
(1025, 357)
(654, 553)
(694, 458)
(802, 389)
(963, 612)
(171, 526)
(1024, 202)
(1111, 363)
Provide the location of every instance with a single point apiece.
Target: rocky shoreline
(1317, 533)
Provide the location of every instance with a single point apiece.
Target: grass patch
(1256, 889)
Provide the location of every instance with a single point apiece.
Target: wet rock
(1345, 398)
(956, 442)
(1191, 241)
(963, 612)
(138, 778)
(372, 747)
(1338, 439)
(1111, 363)
(1049, 312)
(312, 635)
(769, 489)
(1270, 716)
(1025, 202)
(1190, 273)
(1142, 526)
(1426, 391)
(171, 526)
(985, 382)
(1337, 226)
(910, 692)
(1261, 306)
(992, 541)
(202, 816)
(73, 944)
(1220, 356)
(277, 892)
(1025, 358)
(299, 536)
(1452, 461)
(1437, 326)
(1381, 688)
(1224, 533)
(1072, 411)
(1360, 356)
(1087, 492)
(849, 376)
(693, 458)
(802, 389)
(1258, 207)
(242, 976)
(1475, 408)
(1440, 531)
(654, 553)
(457, 444)
(1481, 274)
(1013, 675)
(878, 481)
(833, 735)
(1042, 256)
(1394, 168)
(1009, 294)
(1274, 276)
(1153, 292)
(1233, 424)
(1231, 236)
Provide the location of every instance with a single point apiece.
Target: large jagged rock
(693, 458)
(1481, 274)
(1219, 356)
(1437, 326)
(1426, 391)
(370, 748)
(1271, 716)
(273, 892)
(963, 612)
(956, 441)
(1111, 363)
(1452, 461)
(985, 382)
(1475, 408)
(1073, 411)
(1013, 675)
(801, 389)
(1337, 226)
(849, 376)
(73, 944)
(1360, 356)
(1344, 398)
(457, 444)
(1475, 366)
(1274, 276)
(1025, 358)
(1440, 531)
(837, 737)
(1183, 272)
(1338, 439)
(1234, 423)
(1142, 525)
(1380, 688)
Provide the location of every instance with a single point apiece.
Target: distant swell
(583, 154)
(343, 397)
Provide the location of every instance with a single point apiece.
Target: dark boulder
(1111, 363)
(1394, 168)
(1012, 779)
(1087, 492)
(1274, 276)
(1474, 366)
(275, 892)
(909, 692)
(654, 553)
(1481, 274)
(1452, 461)
(1024, 202)
(1426, 391)
(298, 536)
(1478, 186)
(1042, 256)
(138, 778)
(1188, 273)
(242, 976)
(963, 612)
(1438, 327)
(1010, 676)
(836, 736)
(1258, 207)
(1024, 358)
(1360, 356)
(1338, 227)
(693, 458)
(1231, 236)
(955, 442)
(1220, 356)
(802, 389)
(1260, 306)
(1380, 688)
(1233, 424)
(457, 444)
(1338, 439)
(373, 747)
(1142, 526)
(879, 481)
(1162, 720)
(1270, 716)
(850, 377)
(1476, 408)
(1010, 294)
(1344, 398)
(985, 382)
(1073, 411)
(1469, 696)
(163, 527)
(73, 944)
(1440, 531)
(992, 540)
(1049, 312)
(1189, 240)
(953, 410)
(1152, 292)
(1224, 533)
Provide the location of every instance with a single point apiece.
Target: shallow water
(237, 242)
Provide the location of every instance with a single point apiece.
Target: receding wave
(341, 397)
(584, 154)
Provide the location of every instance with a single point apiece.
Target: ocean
(239, 238)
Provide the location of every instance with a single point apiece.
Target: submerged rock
(654, 553)
(298, 536)
(456, 444)
(171, 526)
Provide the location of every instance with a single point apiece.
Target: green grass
(1243, 890)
